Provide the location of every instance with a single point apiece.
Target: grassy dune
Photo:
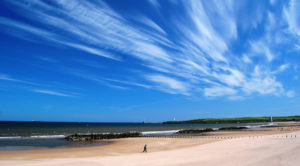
(239, 120)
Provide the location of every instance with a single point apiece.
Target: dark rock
(195, 131)
(233, 128)
(91, 137)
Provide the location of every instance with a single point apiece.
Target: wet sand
(264, 146)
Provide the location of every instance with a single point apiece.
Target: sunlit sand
(266, 146)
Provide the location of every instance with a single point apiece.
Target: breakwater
(100, 136)
(93, 136)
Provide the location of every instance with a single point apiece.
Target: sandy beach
(265, 146)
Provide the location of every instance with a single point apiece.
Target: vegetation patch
(238, 120)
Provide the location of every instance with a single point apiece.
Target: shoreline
(263, 151)
(43, 142)
(126, 146)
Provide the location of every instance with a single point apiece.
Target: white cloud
(28, 85)
(109, 82)
(9, 78)
(293, 17)
(246, 59)
(219, 91)
(272, 2)
(234, 78)
(263, 86)
(262, 48)
(51, 92)
(281, 68)
(152, 24)
(26, 30)
(93, 51)
(127, 82)
(199, 56)
(290, 93)
(155, 3)
(263, 83)
(169, 84)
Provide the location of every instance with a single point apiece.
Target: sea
(47, 135)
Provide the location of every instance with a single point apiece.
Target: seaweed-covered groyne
(195, 131)
(99, 136)
(199, 131)
(233, 128)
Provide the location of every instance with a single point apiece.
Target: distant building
(271, 119)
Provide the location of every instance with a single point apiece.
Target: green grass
(239, 120)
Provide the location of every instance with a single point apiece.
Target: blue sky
(149, 60)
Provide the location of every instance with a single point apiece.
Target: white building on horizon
(271, 118)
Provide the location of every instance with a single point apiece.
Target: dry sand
(267, 146)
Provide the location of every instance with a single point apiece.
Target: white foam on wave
(33, 137)
(261, 125)
(7, 138)
(149, 133)
(47, 136)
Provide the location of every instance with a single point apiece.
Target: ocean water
(44, 135)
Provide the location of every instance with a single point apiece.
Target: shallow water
(41, 135)
(27, 144)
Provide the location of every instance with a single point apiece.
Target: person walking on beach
(145, 148)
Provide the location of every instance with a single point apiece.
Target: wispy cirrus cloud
(292, 16)
(51, 92)
(168, 84)
(123, 84)
(219, 91)
(9, 78)
(180, 52)
(290, 93)
(37, 87)
(260, 48)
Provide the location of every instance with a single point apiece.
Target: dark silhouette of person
(145, 148)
